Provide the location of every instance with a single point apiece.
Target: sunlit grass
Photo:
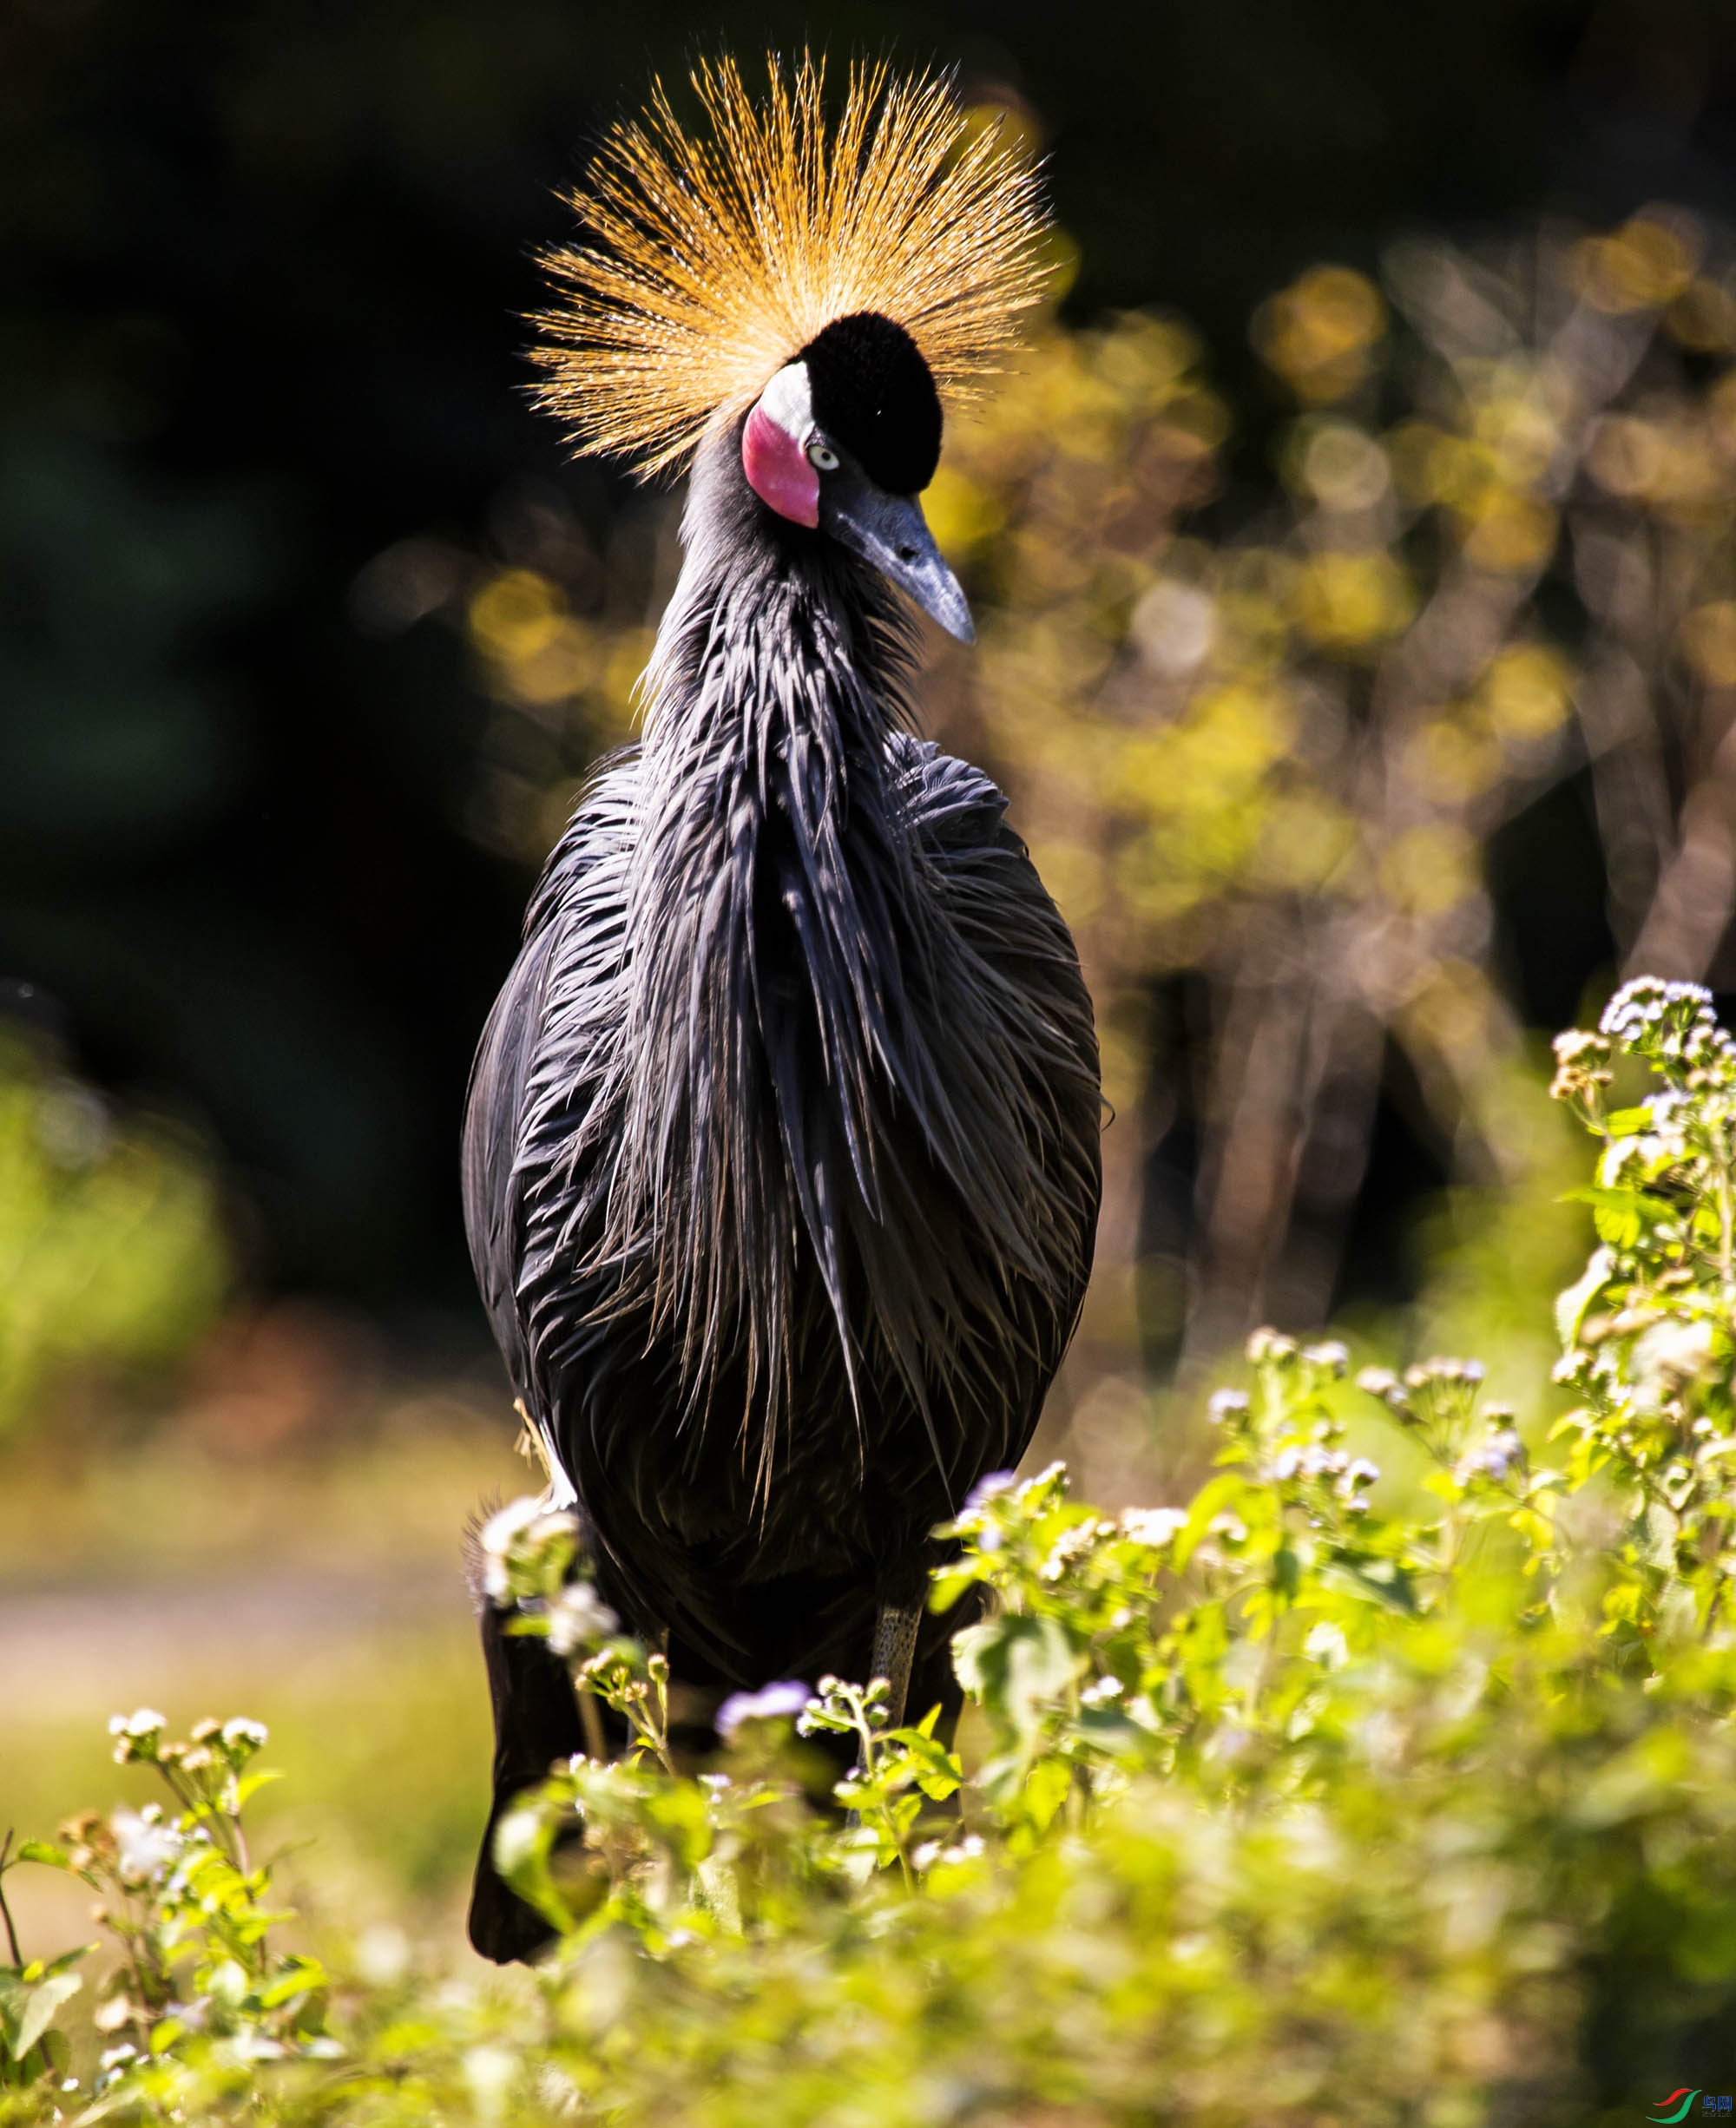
(321, 1594)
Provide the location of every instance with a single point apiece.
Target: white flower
(1226, 1404)
(1668, 1357)
(771, 1703)
(141, 1723)
(240, 1734)
(1152, 1525)
(146, 1846)
(504, 1526)
(578, 1618)
(136, 1735)
(488, 2072)
(1326, 1645)
(510, 1540)
(1072, 1545)
(1494, 1457)
(964, 1851)
(1645, 1000)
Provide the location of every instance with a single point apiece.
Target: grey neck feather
(784, 937)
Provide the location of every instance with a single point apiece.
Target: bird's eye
(822, 456)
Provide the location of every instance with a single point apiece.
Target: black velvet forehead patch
(873, 392)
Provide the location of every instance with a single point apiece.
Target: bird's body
(781, 1163)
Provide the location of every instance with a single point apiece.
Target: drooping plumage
(781, 1166)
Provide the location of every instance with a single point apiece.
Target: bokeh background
(1353, 557)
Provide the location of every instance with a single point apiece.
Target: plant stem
(6, 1911)
(882, 1806)
(595, 1743)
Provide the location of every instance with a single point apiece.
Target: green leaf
(43, 1851)
(1387, 1580)
(938, 1772)
(300, 1977)
(1208, 1503)
(951, 1583)
(1573, 1306)
(36, 2012)
(1621, 1217)
(1046, 1789)
(523, 1840)
(1017, 1665)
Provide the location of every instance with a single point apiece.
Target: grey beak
(890, 531)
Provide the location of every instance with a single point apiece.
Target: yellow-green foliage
(1292, 1804)
(1270, 747)
(111, 1253)
(1264, 705)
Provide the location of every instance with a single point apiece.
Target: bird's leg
(895, 1646)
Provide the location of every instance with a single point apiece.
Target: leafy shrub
(1333, 1795)
(110, 1251)
(1278, 759)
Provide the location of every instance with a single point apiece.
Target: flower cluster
(200, 1981)
(1191, 1722)
(526, 1550)
(1649, 1331)
(1656, 1017)
(771, 1703)
(577, 1619)
(1581, 1068)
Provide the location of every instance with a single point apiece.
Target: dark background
(261, 276)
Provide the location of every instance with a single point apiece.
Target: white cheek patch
(788, 400)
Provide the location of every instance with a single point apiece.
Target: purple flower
(771, 1703)
(988, 1487)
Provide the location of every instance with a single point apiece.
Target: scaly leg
(895, 1644)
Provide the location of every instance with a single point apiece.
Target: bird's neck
(781, 667)
(772, 898)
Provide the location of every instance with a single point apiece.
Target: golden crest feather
(707, 263)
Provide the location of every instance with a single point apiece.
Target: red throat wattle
(778, 470)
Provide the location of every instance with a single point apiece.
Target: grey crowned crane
(781, 1163)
